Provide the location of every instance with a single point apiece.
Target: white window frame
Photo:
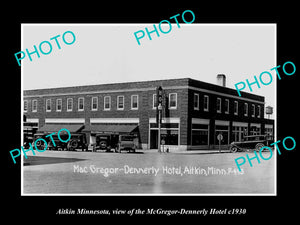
(259, 113)
(48, 110)
(32, 108)
(253, 110)
(109, 102)
(246, 104)
(69, 99)
(118, 101)
(219, 110)
(227, 104)
(198, 98)
(173, 107)
(79, 104)
(137, 105)
(237, 107)
(206, 107)
(92, 104)
(25, 103)
(57, 100)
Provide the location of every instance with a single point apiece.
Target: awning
(57, 127)
(110, 128)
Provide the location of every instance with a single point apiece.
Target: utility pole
(159, 96)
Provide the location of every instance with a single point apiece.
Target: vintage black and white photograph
(148, 109)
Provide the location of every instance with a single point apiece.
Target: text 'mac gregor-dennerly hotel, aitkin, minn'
(194, 112)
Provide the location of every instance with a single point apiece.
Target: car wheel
(259, 146)
(233, 149)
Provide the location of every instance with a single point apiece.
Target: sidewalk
(204, 151)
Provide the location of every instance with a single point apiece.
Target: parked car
(105, 142)
(39, 144)
(77, 141)
(126, 142)
(255, 142)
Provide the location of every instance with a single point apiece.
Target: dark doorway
(153, 139)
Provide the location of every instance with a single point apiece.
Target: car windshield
(126, 138)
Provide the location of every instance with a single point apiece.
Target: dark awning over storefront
(116, 128)
(57, 127)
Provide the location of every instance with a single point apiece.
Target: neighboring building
(195, 112)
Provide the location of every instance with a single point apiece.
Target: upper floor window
(154, 102)
(253, 110)
(196, 101)
(236, 107)
(69, 104)
(219, 105)
(80, 104)
(58, 105)
(134, 101)
(107, 102)
(48, 105)
(245, 109)
(172, 100)
(94, 103)
(120, 102)
(25, 105)
(34, 105)
(206, 103)
(226, 106)
(258, 111)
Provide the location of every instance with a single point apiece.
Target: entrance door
(153, 139)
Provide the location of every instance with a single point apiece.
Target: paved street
(202, 172)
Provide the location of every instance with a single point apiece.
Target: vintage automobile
(105, 142)
(255, 142)
(126, 142)
(77, 141)
(39, 144)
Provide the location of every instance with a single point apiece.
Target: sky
(109, 53)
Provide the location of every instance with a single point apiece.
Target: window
(80, 104)
(253, 110)
(258, 111)
(134, 101)
(25, 105)
(107, 103)
(154, 101)
(48, 105)
(236, 108)
(34, 105)
(226, 106)
(199, 134)
(120, 102)
(196, 101)
(219, 105)
(69, 104)
(172, 100)
(224, 131)
(245, 109)
(206, 100)
(58, 105)
(94, 103)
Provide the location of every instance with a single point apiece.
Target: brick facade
(184, 113)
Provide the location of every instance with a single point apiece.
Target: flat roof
(181, 83)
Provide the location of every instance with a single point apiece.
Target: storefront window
(224, 130)
(199, 134)
(170, 137)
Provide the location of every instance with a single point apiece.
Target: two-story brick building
(195, 112)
